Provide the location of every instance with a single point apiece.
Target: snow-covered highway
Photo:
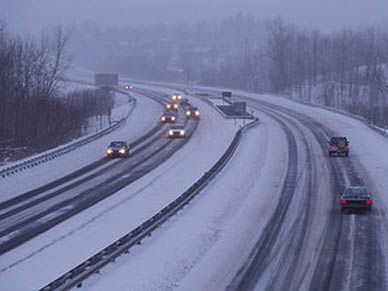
(46, 245)
(270, 220)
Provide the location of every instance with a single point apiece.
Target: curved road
(38, 210)
(308, 244)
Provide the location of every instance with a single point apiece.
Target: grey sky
(35, 15)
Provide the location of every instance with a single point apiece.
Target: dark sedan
(119, 149)
(338, 145)
(192, 112)
(356, 198)
(172, 106)
(168, 118)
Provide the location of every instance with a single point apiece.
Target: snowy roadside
(123, 107)
(367, 150)
(200, 248)
(143, 118)
(132, 205)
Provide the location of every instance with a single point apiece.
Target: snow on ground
(200, 247)
(73, 241)
(367, 148)
(145, 115)
(69, 86)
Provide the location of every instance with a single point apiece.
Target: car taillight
(368, 202)
(343, 201)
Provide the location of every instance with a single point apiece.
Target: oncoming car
(176, 96)
(168, 117)
(118, 149)
(128, 87)
(192, 112)
(176, 131)
(172, 106)
(356, 198)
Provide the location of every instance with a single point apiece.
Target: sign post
(226, 95)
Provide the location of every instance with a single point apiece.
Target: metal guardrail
(77, 275)
(62, 150)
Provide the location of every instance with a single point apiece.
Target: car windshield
(177, 127)
(356, 192)
(338, 140)
(117, 144)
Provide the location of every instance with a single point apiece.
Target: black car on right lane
(356, 198)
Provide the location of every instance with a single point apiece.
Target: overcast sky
(37, 15)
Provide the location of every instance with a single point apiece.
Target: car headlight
(168, 106)
(173, 118)
(109, 151)
(163, 118)
(196, 113)
(175, 106)
(122, 151)
(182, 132)
(188, 113)
(170, 132)
(179, 97)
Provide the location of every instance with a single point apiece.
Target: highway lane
(313, 246)
(30, 218)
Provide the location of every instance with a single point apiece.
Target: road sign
(226, 94)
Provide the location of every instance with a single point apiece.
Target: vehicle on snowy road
(192, 112)
(168, 117)
(176, 96)
(118, 149)
(177, 131)
(356, 198)
(185, 102)
(172, 106)
(338, 145)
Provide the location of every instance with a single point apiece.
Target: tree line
(34, 112)
(344, 69)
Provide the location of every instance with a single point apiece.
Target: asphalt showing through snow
(347, 251)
